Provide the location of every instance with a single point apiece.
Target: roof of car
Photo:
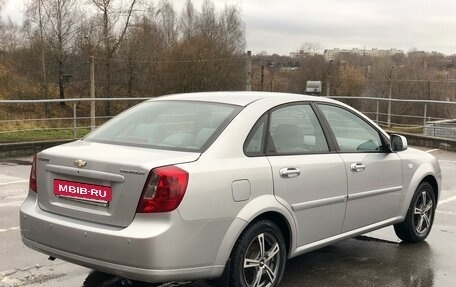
(242, 98)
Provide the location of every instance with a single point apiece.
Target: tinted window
(175, 125)
(352, 133)
(295, 130)
(255, 141)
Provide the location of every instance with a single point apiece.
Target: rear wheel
(420, 215)
(258, 257)
(101, 279)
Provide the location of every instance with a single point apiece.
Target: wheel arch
(248, 216)
(425, 173)
(433, 182)
(281, 223)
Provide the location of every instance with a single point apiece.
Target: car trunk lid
(98, 182)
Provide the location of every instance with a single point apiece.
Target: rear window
(170, 125)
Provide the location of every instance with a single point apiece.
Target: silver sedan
(224, 185)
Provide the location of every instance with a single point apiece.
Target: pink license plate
(83, 191)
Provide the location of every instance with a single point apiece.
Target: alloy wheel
(423, 212)
(262, 261)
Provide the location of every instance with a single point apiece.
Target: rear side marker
(32, 182)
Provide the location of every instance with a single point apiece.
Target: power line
(178, 61)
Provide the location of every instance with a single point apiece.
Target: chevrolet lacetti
(224, 185)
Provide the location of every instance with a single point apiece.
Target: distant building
(301, 54)
(330, 55)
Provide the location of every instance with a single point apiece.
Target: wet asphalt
(374, 259)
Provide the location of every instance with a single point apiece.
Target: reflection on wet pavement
(362, 261)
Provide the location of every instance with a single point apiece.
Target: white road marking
(13, 182)
(445, 212)
(432, 150)
(445, 160)
(10, 281)
(9, 229)
(12, 203)
(450, 199)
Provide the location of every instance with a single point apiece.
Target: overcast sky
(282, 26)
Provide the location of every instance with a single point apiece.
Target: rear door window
(295, 130)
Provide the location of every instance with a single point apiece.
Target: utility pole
(262, 77)
(390, 94)
(328, 79)
(429, 89)
(248, 84)
(92, 92)
(388, 123)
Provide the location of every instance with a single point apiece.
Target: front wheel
(420, 215)
(259, 257)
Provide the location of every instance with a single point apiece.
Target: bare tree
(112, 14)
(55, 22)
(62, 16)
(207, 21)
(188, 21)
(351, 81)
(233, 30)
(168, 23)
(10, 36)
(311, 47)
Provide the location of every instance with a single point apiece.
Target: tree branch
(127, 23)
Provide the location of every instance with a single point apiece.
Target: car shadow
(362, 261)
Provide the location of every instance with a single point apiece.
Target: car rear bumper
(135, 273)
(153, 248)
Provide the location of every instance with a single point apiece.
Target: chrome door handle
(289, 172)
(357, 167)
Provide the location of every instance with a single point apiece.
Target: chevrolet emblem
(80, 163)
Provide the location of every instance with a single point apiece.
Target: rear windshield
(170, 125)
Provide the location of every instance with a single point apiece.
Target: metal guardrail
(74, 119)
(432, 125)
(420, 119)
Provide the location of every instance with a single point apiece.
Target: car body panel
(374, 192)
(124, 169)
(151, 243)
(416, 166)
(318, 203)
(226, 192)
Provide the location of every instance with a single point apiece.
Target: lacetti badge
(80, 163)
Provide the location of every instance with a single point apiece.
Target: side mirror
(398, 143)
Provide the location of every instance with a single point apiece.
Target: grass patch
(39, 135)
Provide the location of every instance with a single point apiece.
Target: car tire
(420, 215)
(258, 257)
(101, 279)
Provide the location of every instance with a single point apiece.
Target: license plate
(82, 191)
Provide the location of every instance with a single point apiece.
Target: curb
(28, 148)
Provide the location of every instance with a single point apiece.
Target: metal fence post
(74, 121)
(425, 115)
(388, 121)
(376, 113)
(92, 93)
(248, 84)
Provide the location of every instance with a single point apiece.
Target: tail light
(32, 181)
(164, 190)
